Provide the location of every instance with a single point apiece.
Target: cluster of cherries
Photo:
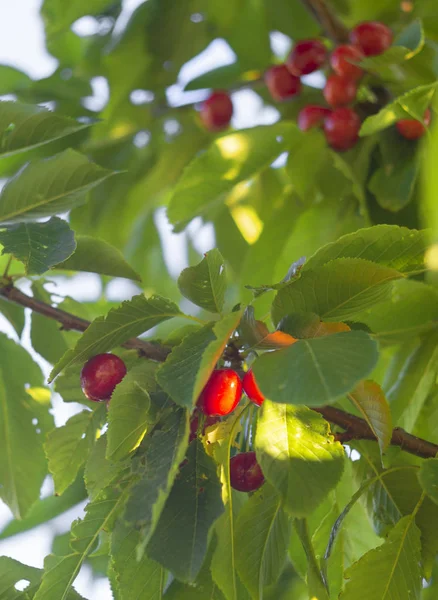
(340, 122)
(220, 397)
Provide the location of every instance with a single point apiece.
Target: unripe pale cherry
(372, 37)
(341, 129)
(251, 388)
(216, 111)
(245, 472)
(306, 57)
(341, 64)
(339, 91)
(411, 129)
(221, 394)
(282, 85)
(312, 116)
(100, 375)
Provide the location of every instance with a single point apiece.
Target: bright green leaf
(205, 283)
(316, 371)
(297, 455)
(39, 246)
(428, 478)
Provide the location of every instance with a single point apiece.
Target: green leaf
(335, 291)
(142, 578)
(428, 478)
(98, 256)
(14, 314)
(46, 509)
(100, 472)
(26, 126)
(229, 160)
(67, 447)
(49, 186)
(413, 104)
(370, 400)
(187, 369)
(393, 183)
(391, 246)
(164, 450)
(390, 571)
(180, 540)
(429, 204)
(220, 77)
(263, 530)
(39, 246)
(415, 382)
(20, 478)
(11, 572)
(316, 371)
(205, 284)
(130, 319)
(61, 571)
(411, 309)
(131, 412)
(58, 17)
(13, 80)
(297, 455)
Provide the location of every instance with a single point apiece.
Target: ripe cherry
(306, 56)
(341, 128)
(372, 37)
(312, 116)
(216, 111)
(412, 129)
(100, 375)
(221, 393)
(245, 472)
(339, 91)
(251, 388)
(281, 84)
(341, 58)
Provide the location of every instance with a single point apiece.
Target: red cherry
(312, 116)
(245, 472)
(339, 91)
(194, 424)
(306, 56)
(281, 84)
(340, 61)
(251, 388)
(216, 111)
(412, 129)
(221, 394)
(341, 128)
(372, 37)
(100, 375)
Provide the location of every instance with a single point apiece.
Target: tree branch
(331, 25)
(69, 321)
(358, 429)
(355, 427)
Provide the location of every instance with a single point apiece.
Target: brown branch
(358, 429)
(71, 322)
(331, 25)
(355, 427)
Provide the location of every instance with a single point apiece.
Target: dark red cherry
(100, 375)
(339, 91)
(216, 111)
(245, 472)
(341, 128)
(372, 37)
(341, 58)
(306, 57)
(282, 85)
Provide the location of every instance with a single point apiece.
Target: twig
(331, 25)
(358, 429)
(69, 321)
(355, 427)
